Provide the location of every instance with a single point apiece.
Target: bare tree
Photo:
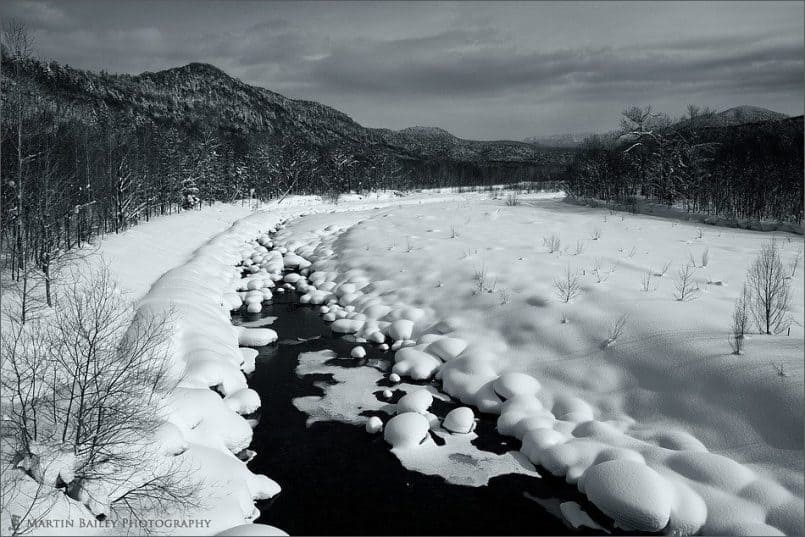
(685, 285)
(18, 43)
(86, 387)
(770, 290)
(740, 321)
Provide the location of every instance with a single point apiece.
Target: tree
(85, 389)
(770, 290)
(740, 321)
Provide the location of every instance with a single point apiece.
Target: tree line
(751, 171)
(67, 176)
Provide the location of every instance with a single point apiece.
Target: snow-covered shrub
(87, 382)
(512, 199)
(568, 286)
(770, 290)
(595, 234)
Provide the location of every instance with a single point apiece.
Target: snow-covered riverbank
(693, 438)
(659, 425)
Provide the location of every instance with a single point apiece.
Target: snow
(415, 401)
(251, 530)
(460, 420)
(577, 516)
(666, 406)
(634, 495)
(406, 430)
(374, 425)
(665, 428)
(415, 364)
(256, 337)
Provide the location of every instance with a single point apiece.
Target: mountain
(559, 140)
(199, 95)
(739, 115)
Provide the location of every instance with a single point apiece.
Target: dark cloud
(481, 70)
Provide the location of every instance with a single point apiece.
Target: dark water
(338, 479)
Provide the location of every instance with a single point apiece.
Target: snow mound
(251, 530)
(243, 401)
(416, 401)
(401, 329)
(636, 497)
(510, 384)
(374, 425)
(460, 420)
(256, 337)
(406, 430)
(415, 364)
(447, 348)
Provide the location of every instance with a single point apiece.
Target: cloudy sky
(481, 70)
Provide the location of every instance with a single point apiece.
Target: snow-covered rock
(256, 337)
(416, 401)
(460, 420)
(636, 497)
(406, 430)
(416, 364)
(510, 384)
(374, 425)
(401, 329)
(447, 348)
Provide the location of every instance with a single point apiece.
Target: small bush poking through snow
(579, 248)
(645, 282)
(616, 330)
(483, 284)
(600, 274)
(568, 286)
(780, 369)
(595, 234)
(552, 242)
(512, 200)
(686, 287)
(662, 272)
(740, 321)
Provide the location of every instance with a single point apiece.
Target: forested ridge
(88, 153)
(700, 162)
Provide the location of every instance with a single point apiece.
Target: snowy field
(722, 433)
(660, 426)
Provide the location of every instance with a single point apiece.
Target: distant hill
(740, 115)
(559, 140)
(199, 95)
